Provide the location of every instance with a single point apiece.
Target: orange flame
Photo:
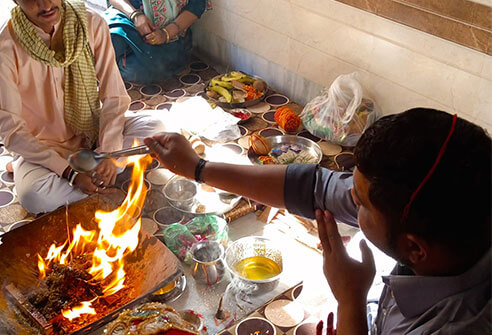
(116, 238)
(84, 308)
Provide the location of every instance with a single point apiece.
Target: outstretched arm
(264, 184)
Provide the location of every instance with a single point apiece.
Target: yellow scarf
(82, 104)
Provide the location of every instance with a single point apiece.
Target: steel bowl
(279, 140)
(237, 104)
(180, 192)
(253, 246)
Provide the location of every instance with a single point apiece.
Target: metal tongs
(86, 160)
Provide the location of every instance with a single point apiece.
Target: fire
(83, 308)
(116, 238)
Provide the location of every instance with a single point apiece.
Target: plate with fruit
(236, 90)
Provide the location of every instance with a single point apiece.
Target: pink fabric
(32, 100)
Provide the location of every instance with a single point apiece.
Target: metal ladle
(86, 160)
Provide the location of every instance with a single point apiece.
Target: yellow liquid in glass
(257, 268)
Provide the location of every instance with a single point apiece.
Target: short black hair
(453, 207)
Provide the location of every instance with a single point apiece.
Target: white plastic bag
(197, 117)
(340, 113)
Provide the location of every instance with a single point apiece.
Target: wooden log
(15, 296)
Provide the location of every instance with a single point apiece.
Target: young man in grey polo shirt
(421, 192)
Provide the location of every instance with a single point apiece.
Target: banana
(216, 82)
(233, 76)
(222, 91)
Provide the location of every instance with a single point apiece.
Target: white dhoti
(41, 190)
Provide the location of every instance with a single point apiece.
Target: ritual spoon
(86, 160)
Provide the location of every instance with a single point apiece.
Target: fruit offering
(287, 119)
(235, 87)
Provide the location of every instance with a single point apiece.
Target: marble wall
(315, 41)
(462, 21)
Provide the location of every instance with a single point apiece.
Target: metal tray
(279, 140)
(217, 202)
(237, 104)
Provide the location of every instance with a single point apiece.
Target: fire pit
(73, 270)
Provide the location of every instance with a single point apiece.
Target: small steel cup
(208, 266)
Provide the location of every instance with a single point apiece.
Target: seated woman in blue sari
(151, 38)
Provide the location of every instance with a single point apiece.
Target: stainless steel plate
(237, 104)
(215, 202)
(280, 140)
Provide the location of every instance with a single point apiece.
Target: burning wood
(84, 277)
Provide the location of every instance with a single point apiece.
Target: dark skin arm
(349, 279)
(264, 184)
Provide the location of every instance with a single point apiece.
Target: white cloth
(41, 190)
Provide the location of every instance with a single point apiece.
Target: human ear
(416, 248)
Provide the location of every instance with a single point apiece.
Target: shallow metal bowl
(279, 140)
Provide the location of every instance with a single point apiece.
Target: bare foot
(9, 167)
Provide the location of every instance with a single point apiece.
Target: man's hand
(349, 280)
(104, 174)
(156, 37)
(83, 181)
(143, 25)
(175, 153)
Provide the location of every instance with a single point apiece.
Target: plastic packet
(340, 114)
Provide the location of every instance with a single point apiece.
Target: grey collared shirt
(409, 304)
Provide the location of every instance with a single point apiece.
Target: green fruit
(233, 76)
(216, 82)
(222, 91)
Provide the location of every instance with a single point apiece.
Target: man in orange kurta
(33, 115)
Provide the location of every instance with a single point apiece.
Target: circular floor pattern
(174, 94)
(259, 108)
(284, 313)
(166, 216)
(305, 329)
(269, 116)
(297, 291)
(159, 176)
(243, 131)
(165, 105)
(234, 148)
(267, 132)
(190, 79)
(329, 149)
(128, 85)
(18, 224)
(255, 326)
(244, 142)
(308, 135)
(149, 225)
(137, 105)
(4, 160)
(150, 90)
(201, 94)
(198, 66)
(7, 178)
(345, 161)
(6, 198)
(155, 100)
(277, 100)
